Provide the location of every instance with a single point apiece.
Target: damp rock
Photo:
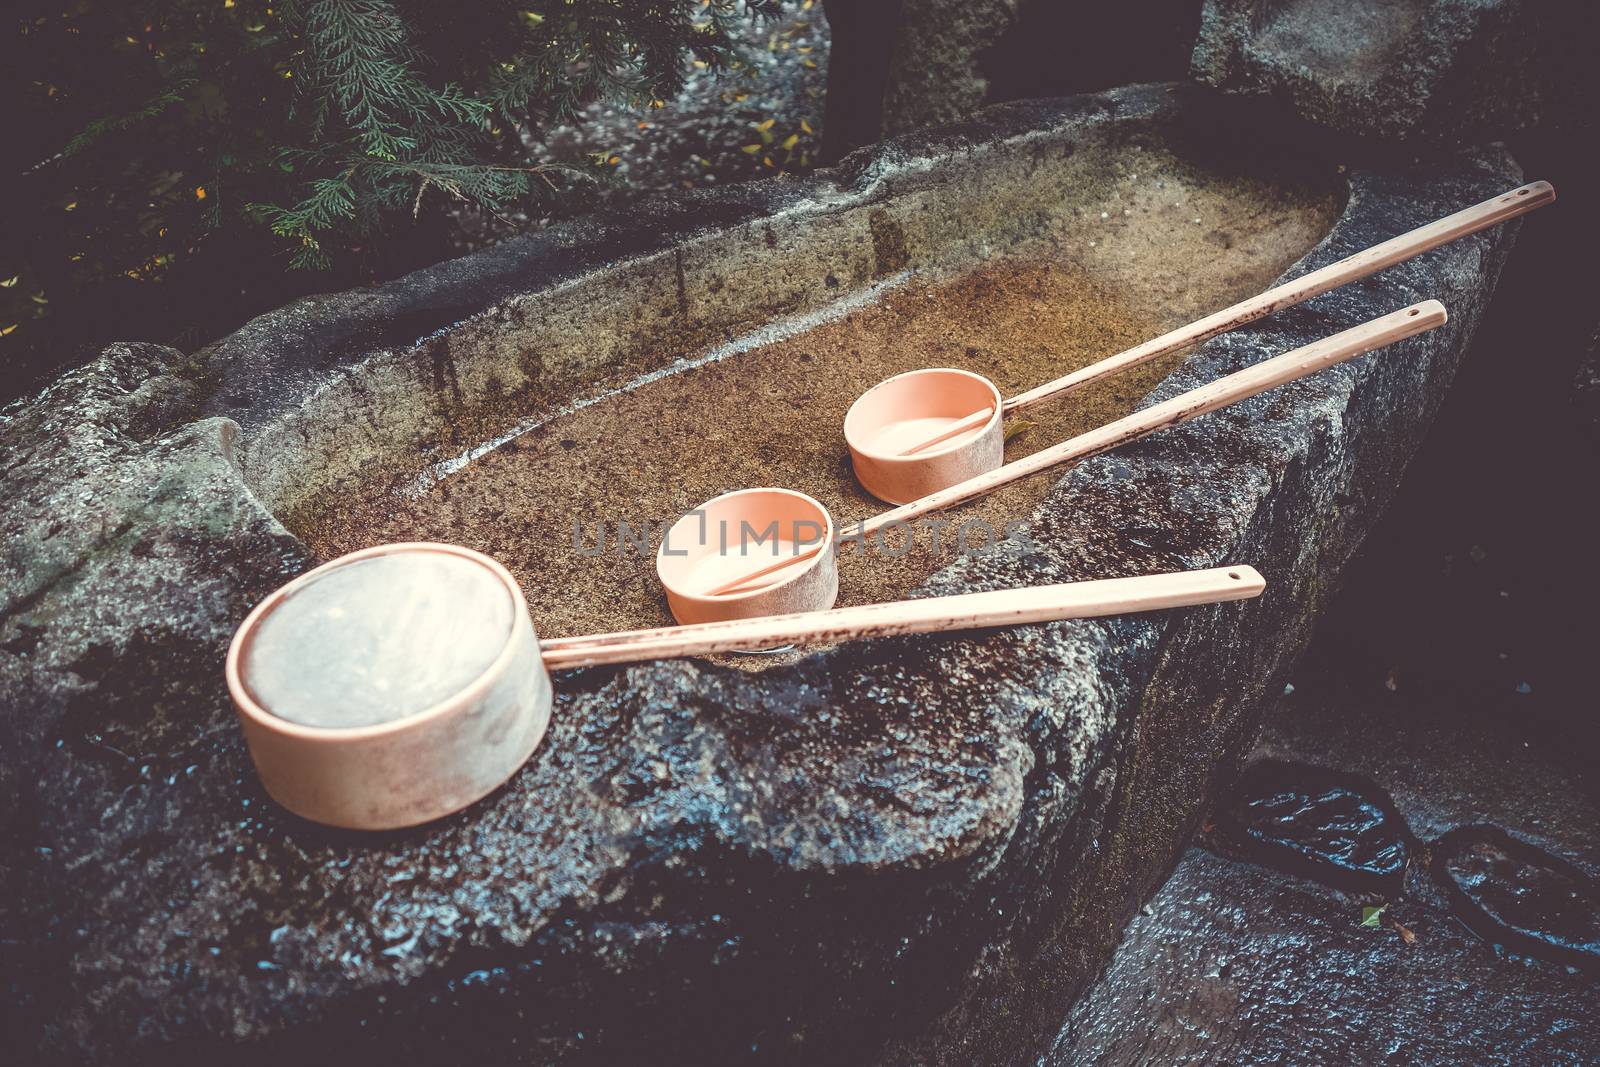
(1406, 69)
(1516, 894)
(1337, 828)
(1236, 963)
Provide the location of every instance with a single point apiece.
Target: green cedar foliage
(149, 125)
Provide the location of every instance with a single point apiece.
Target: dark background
(1483, 575)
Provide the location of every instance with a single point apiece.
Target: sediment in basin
(1163, 236)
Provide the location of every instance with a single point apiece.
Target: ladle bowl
(886, 424)
(391, 686)
(738, 538)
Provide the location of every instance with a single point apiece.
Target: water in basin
(1165, 241)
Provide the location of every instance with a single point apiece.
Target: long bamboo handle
(1314, 357)
(955, 429)
(967, 611)
(1412, 243)
(733, 585)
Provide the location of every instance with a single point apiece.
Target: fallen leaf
(1372, 916)
(1018, 427)
(1405, 934)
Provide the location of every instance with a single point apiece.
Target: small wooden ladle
(923, 430)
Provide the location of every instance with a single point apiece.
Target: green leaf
(1372, 916)
(1018, 427)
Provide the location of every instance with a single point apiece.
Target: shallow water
(904, 437)
(773, 415)
(391, 635)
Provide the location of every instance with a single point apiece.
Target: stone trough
(905, 851)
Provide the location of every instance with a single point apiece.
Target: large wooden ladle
(403, 682)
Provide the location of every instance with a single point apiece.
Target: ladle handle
(965, 424)
(735, 584)
(1491, 212)
(966, 611)
(1307, 360)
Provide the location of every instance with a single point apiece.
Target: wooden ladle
(923, 430)
(401, 683)
(964, 611)
(786, 575)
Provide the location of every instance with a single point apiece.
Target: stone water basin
(1089, 254)
(901, 851)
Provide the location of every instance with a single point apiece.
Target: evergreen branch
(101, 128)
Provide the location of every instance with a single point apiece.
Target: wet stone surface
(1518, 895)
(1486, 955)
(1236, 963)
(1343, 830)
(1339, 829)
